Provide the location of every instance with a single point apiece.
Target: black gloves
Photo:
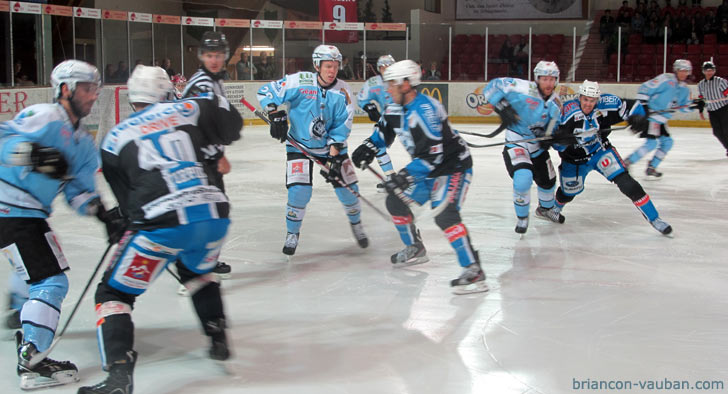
(364, 153)
(638, 123)
(114, 219)
(48, 161)
(699, 104)
(508, 115)
(563, 136)
(278, 125)
(373, 112)
(399, 182)
(334, 166)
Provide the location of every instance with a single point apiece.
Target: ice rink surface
(603, 296)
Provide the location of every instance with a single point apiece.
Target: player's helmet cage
(401, 70)
(213, 41)
(590, 89)
(326, 52)
(385, 61)
(546, 69)
(149, 85)
(682, 64)
(71, 72)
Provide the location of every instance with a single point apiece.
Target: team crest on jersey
(185, 108)
(305, 79)
(142, 268)
(296, 168)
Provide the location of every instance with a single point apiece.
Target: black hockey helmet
(213, 41)
(708, 65)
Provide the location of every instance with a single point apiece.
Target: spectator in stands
(291, 67)
(606, 25)
(723, 32)
(668, 9)
(651, 33)
(624, 19)
(709, 23)
(520, 57)
(346, 73)
(625, 7)
(682, 28)
(654, 7)
(167, 66)
(722, 12)
(696, 31)
(244, 66)
(433, 74)
(266, 69)
(666, 28)
(109, 73)
(122, 73)
(20, 76)
(682, 5)
(506, 52)
(638, 23)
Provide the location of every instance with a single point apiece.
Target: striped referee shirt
(201, 82)
(715, 88)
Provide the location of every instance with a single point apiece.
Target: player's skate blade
(522, 225)
(472, 280)
(661, 226)
(410, 255)
(46, 373)
(119, 381)
(289, 248)
(553, 214)
(652, 174)
(361, 238)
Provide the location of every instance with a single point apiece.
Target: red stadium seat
(557, 39)
(644, 72)
(612, 72)
(613, 59)
(693, 49)
(475, 39)
(677, 49)
(710, 39)
(630, 59)
(722, 60)
(634, 39)
(708, 50)
(461, 38)
(645, 59)
(516, 38)
(542, 39)
(647, 49)
(538, 50)
(474, 70)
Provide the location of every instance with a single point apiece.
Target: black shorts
(32, 248)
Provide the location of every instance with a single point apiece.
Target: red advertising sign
(115, 15)
(140, 17)
(227, 22)
(386, 26)
(167, 19)
(4, 6)
(303, 25)
(59, 10)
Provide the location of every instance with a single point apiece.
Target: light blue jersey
(318, 117)
(662, 93)
(25, 193)
(534, 111)
(374, 89)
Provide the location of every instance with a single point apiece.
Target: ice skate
(522, 225)
(410, 255)
(219, 349)
(361, 238)
(652, 173)
(661, 226)
(381, 188)
(553, 214)
(46, 373)
(289, 248)
(120, 380)
(472, 280)
(222, 270)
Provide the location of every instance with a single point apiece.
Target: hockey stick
(409, 202)
(489, 135)
(313, 158)
(38, 357)
(543, 138)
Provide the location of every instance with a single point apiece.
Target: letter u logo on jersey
(606, 162)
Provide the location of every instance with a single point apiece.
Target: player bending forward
(440, 171)
(156, 167)
(582, 143)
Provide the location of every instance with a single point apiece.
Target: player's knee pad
(43, 308)
(629, 186)
(396, 207)
(299, 195)
(522, 180)
(562, 198)
(115, 331)
(345, 196)
(447, 218)
(665, 143)
(544, 174)
(105, 293)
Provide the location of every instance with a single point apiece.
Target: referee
(715, 91)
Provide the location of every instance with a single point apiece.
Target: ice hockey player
(582, 143)
(213, 54)
(528, 110)
(372, 93)
(321, 118)
(440, 172)
(177, 211)
(45, 151)
(663, 95)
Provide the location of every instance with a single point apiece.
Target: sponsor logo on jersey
(436, 149)
(310, 94)
(606, 162)
(4, 210)
(305, 79)
(297, 168)
(456, 232)
(572, 184)
(142, 267)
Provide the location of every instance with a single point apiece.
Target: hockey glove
(364, 154)
(333, 164)
(562, 136)
(278, 125)
(114, 219)
(508, 115)
(399, 182)
(699, 104)
(48, 161)
(638, 123)
(373, 112)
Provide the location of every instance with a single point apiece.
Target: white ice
(602, 297)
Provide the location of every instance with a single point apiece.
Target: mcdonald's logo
(434, 93)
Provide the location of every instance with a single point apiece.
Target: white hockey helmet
(385, 61)
(682, 64)
(326, 52)
(546, 69)
(149, 85)
(71, 72)
(590, 89)
(401, 70)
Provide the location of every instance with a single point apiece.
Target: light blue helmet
(326, 52)
(546, 69)
(385, 61)
(682, 64)
(71, 72)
